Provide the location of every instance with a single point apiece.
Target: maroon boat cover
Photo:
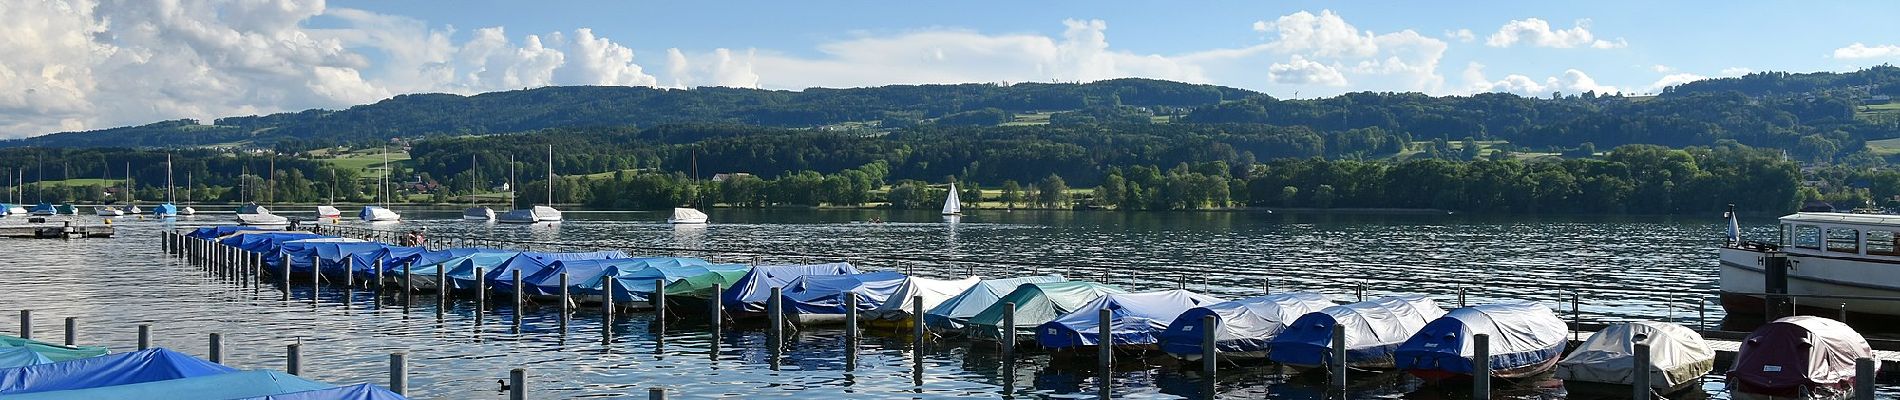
(1795, 352)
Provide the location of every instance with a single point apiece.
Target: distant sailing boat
(131, 205)
(952, 206)
(187, 210)
(108, 211)
(685, 215)
(377, 213)
(475, 212)
(167, 209)
(538, 213)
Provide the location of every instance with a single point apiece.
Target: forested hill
(424, 115)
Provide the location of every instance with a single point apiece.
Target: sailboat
(377, 213)
(952, 206)
(43, 209)
(538, 213)
(475, 212)
(167, 209)
(187, 210)
(328, 212)
(108, 211)
(253, 214)
(686, 216)
(130, 206)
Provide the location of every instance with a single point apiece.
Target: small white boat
(133, 209)
(187, 210)
(522, 216)
(546, 214)
(1678, 358)
(377, 214)
(105, 211)
(683, 215)
(952, 205)
(15, 210)
(262, 219)
(328, 212)
(478, 214)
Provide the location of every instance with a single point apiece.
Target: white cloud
(1538, 33)
(1672, 80)
(1300, 71)
(1571, 82)
(1404, 58)
(1861, 51)
(1461, 35)
(1662, 69)
(1734, 71)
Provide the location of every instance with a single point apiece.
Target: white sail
(952, 205)
(687, 216)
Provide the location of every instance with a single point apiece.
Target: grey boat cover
(951, 314)
(934, 292)
(1245, 325)
(1374, 328)
(1677, 355)
(1134, 318)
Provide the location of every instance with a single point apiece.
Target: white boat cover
(1677, 355)
(1526, 338)
(326, 212)
(951, 314)
(546, 214)
(1134, 318)
(1374, 328)
(934, 292)
(1243, 326)
(262, 219)
(377, 214)
(683, 215)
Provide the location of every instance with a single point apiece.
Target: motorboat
(377, 214)
(43, 210)
(682, 215)
(1606, 362)
(1245, 328)
(328, 212)
(1838, 254)
(478, 214)
(107, 211)
(1374, 329)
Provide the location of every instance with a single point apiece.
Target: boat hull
(1742, 274)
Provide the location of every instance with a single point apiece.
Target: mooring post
(607, 310)
(520, 294)
(1576, 315)
(776, 308)
(316, 278)
(217, 348)
(1338, 362)
(718, 312)
(659, 300)
(408, 285)
(1639, 376)
(564, 302)
(1208, 351)
(378, 284)
(441, 289)
(145, 336)
(917, 322)
(1775, 275)
(286, 277)
(349, 271)
(26, 324)
(1461, 297)
(72, 331)
(1009, 322)
(1266, 286)
(293, 359)
(1701, 313)
(481, 295)
(1105, 356)
(1359, 291)
(1843, 313)
(399, 372)
(1481, 367)
(518, 384)
(656, 393)
(1864, 378)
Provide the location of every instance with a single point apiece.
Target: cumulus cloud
(1406, 58)
(1461, 35)
(1301, 71)
(1538, 33)
(1861, 51)
(1571, 81)
(1734, 71)
(1674, 79)
(1662, 69)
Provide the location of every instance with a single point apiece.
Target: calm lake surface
(1633, 268)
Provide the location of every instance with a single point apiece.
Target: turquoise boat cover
(51, 351)
(20, 356)
(529, 263)
(165, 209)
(1241, 326)
(950, 315)
(579, 272)
(1134, 318)
(109, 370)
(221, 386)
(1036, 303)
(361, 391)
(634, 281)
(752, 290)
(825, 294)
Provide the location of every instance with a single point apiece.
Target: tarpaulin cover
(953, 313)
(222, 386)
(634, 281)
(1374, 329)
(52, 351)
(108, 370)
(579, 272)
(529, 263)
(700, 286)
(374, 213)
(329, 255)
(1795, 353)
(216, 231)
(420, 263)
(1241, 326)
(20, 356)
(750, 293)
(825, 294)
(1677, 355)
(361, 391)
(1526, 338)
(461, 270)
(162, 209)
(1036, 303)
(265, 242)
(934, 291)
(300, 253)
(1134, 318)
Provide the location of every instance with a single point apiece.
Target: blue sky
(81, 64)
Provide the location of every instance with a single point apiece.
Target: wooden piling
(1208, 351)
(656, 393)
(481, 295)
(775, 307)
(520, 295)
(349, 271)
(1864, 375)
(217, 348)
(850, 333)
(917, 322)
(399, 372)
(1105, 356)
(518, 384)
(1481, 367)
(718, 309)
(286, 277)
(72, 331)
(1639, 375)
(658, 299)
(564, 302)
(1009, 322)
(145, 336)
(1338, 363)
(378, 283)
(26, 324)
(293, 359)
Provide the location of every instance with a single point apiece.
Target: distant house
(724, 177)
(1877, 99)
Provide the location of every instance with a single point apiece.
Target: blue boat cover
(303, 253)
(751, 291)
(265, 242)
(529, 263)
(108, 370)
(1241, 326)
(361, 391)
(47, 207)
(950, 315)
(1522, 335)
(162, 209)
(1374, 329)
(331, 255)
(579, 272)
(20, 356)
(1135, 318)
(461, 270)
(825, 294)
(221, 386)
(216, 231)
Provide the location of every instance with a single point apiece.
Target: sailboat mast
(170, 189)
(474, 180)
(550, 185)
(511, 182)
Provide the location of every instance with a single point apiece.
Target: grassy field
(365, 160)
(1041, 118)
(85, 181)
(1889, 110)
(1884, 147)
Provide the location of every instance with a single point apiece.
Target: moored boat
(1374, 329)
(521, 216)
(1804, 356)
(107, 211)
(1036, 303)
(682, 216)
(1678, 358)
(1135, 319)
(328, 212)
(43, 210)
(1244, 328)
(1852, 255)
(377, 214)
(478, 214)
(1525, 339)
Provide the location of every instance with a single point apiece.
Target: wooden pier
(60, 229)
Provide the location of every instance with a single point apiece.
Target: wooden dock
(55, 229)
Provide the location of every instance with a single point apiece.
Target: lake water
(1633, 268)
